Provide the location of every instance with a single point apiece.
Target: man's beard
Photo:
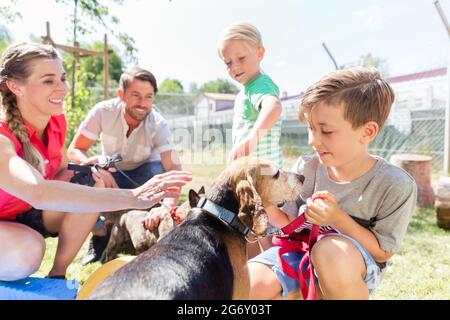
(135, 116)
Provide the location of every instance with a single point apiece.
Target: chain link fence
(414, 126)
(410, 129)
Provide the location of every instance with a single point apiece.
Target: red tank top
(11, 206)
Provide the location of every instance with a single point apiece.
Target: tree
(100, 15)
(84, 76)
(193, 88)
(9, 14)
(5, 38)
(220, 86)
(369, 60)
(94, 66)
(89, 80)
(88, 71)
(171, 86)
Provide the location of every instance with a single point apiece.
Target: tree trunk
(419, 167)
(443, 203)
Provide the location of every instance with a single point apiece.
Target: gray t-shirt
(145, 143)
(381, 200)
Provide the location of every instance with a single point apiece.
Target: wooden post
(106, 69)
(443, 203)
(447, 107)
(419, 167)
(47, 37)
(78, 53)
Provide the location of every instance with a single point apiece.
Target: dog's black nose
(301, 178)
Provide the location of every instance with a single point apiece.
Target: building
(418, 93)
(214, 108)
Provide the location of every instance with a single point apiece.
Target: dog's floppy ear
(193, 198)
(202, 190)
(251, 211)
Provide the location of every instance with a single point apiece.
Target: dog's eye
(277, 174)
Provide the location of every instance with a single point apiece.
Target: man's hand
(92, 160)
(99, 183)
(105, 176)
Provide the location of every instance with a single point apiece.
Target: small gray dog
(128, 233)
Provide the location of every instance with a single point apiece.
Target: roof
(220, 96)
(403, 78)
(293, 97)
(419, 75)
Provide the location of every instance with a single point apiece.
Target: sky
(177, 39)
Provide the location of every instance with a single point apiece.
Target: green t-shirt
(247, 107)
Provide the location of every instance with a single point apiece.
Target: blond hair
(244, 31)
(363, 93)
(16, 64)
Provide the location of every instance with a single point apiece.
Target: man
(127, 125)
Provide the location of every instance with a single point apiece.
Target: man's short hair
(137, 73)
(363, 93)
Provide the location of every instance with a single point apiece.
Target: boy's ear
(370, 131)
(261, 52)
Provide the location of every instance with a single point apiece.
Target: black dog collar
(230, 218)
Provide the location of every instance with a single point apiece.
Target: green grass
(420, 271)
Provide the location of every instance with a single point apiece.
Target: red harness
(303, 243)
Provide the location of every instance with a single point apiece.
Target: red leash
(303, 243)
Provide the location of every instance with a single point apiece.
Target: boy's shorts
(269, 257)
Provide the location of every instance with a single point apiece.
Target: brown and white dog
(205, 257)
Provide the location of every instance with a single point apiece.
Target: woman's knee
(21, 253)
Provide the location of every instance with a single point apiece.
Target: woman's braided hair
(16, 64)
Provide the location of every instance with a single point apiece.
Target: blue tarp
(38, 289)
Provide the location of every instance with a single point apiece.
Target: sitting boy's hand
(323, 209)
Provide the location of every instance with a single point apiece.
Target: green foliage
(76, 107)
(93, 66)
(219, 86)
(193, 88)
(89, 72)
(7, 13)
(89, 75)
(171, 86)
(98, 13)
(5, 38)
(369, 60)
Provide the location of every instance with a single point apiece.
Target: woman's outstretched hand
(166, 185)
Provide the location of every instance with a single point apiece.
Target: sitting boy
(366, 201)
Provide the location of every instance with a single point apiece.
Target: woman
(35, 199)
